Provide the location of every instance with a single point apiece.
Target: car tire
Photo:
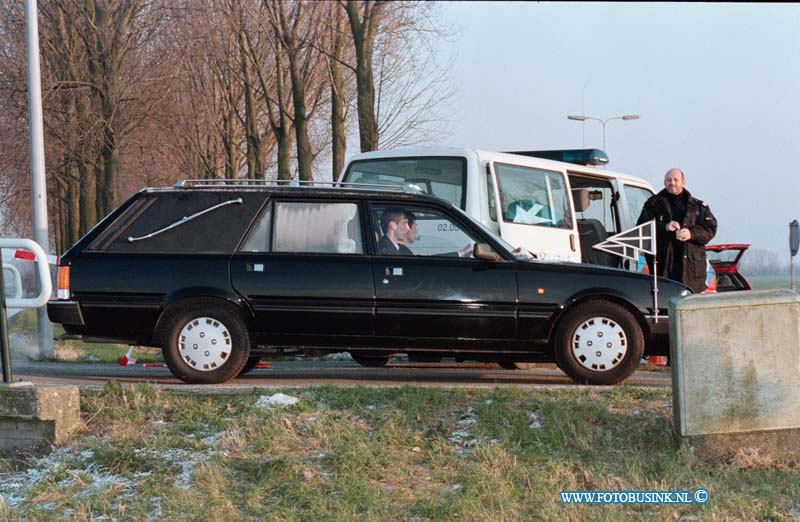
(370, 361)
(598, 342)
(205, 342)
(250, 364)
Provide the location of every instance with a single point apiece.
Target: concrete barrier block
(736, 363)
(34, 418)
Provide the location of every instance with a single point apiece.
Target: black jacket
(387, 248)
(692, 254)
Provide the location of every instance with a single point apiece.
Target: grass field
(417, 454)
(770, 282)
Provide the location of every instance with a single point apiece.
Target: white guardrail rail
(17, 280)
(42, 268)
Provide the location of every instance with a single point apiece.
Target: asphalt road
(318, 373)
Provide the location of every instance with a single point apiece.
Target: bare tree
(365, 17)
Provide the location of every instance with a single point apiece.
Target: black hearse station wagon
(219, 273)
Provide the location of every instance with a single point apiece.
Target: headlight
(686, 292)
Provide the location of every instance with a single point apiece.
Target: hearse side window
(160, 224)
(259, 238)
(323, 228)
(434, 232)
(533, 196)
(443, 177)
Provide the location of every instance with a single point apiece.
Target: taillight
(63, 282)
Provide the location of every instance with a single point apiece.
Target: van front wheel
(206, 344)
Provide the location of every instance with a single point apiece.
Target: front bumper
(65, 312)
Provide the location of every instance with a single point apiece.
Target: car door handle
(393, 271)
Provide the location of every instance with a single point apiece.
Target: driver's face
(412, 232)
(403, 230)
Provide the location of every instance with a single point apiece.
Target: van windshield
(533, 196)
(443, 177)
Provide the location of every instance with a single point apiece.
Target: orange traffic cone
(127, 359)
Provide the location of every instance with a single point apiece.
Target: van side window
(602, 203)
(322, 228)
(532, 196)
(637, 197)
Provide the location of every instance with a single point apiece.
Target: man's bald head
(674, 181)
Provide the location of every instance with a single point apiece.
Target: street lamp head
(577, 118)
(631, 117)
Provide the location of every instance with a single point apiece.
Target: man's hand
(673, 226)
(684, 234)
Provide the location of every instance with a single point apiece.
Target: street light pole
(627, 117)
(38, 184)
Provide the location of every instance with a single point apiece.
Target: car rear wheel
(598, 342)
(370, 361)
(206, 343)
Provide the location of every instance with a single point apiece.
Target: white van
(555, 209)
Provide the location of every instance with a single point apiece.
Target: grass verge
(420, 454)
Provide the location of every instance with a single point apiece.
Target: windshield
(442, 177)
(532, 196)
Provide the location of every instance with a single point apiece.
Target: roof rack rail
(592, 157)
(237, 182)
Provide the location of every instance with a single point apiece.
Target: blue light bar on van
(592, 157)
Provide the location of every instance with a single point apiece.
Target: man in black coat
(684, 225)
(396, 229)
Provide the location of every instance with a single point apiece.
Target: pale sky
(717, 87)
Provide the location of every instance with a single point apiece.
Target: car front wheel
(205, 343)
(598, 342)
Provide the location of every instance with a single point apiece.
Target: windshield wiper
(185, 219)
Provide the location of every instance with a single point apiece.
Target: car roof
(495, 156)
(339, 192)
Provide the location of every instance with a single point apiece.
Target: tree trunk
(364, 29)
(228, 142)
(338, 137)
(305, 155)
(88, 186)
(251, 125)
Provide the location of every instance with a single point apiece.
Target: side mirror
(485, 252)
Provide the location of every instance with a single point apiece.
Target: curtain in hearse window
(325, 228)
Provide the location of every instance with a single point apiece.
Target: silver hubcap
(599, 344)
(204, 344)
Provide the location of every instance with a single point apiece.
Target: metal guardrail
(42, 269)
(17, 280)
(45, 289)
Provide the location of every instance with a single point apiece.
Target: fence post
(5, 350)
